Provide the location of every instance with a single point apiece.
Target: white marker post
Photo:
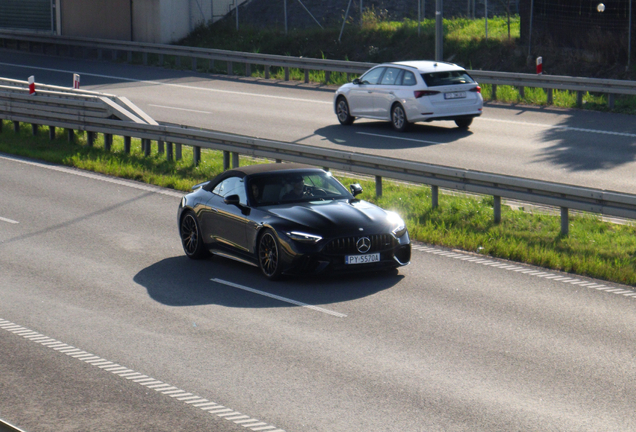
(539, 65)
(32, 84)
(76, 81)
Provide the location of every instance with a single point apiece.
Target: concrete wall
(101, 19)
(154, 21)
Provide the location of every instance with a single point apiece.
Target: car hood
(333, 215)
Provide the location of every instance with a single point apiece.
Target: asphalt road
(98, 302)
(567, 146)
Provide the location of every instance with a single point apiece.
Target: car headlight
(304, 237)
(399, 227)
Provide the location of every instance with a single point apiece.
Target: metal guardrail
(521, 80)
(566, 197)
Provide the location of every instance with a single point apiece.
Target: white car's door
(385, 92)
(361, 95)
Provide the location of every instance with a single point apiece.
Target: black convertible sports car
(290, 219)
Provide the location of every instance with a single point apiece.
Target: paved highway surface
(106, 325)
(566, 146)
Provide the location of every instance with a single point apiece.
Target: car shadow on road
(581, 140)
(379, 135)
(179, 281)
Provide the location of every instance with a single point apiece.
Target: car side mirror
(356, 189)
(357, 81)
(232, 200)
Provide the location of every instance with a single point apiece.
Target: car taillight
(419, 93)
(476, 89)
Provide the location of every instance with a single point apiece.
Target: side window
(408, 79)
(390, 76)
(232, 186)
(373, 76)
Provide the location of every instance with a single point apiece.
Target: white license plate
(455, 95)
(362, 259)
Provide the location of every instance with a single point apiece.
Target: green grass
(593, 248)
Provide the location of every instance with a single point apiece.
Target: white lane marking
(180, 109)
(565, 128)
(283, 299)
(11, 221)
(159, 386)
(189, 87)
(627, 291)
(100, 177)
(399, 138)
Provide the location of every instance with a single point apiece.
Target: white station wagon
(409, 92)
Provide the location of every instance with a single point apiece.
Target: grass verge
(594, 248)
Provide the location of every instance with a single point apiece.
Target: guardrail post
(378, 186)
(434, 196)
(610, 100)
(1, 125)
(235, 160)
(108, 142)
(565, 221)
(226, 160)
(129, 57)
(211, 65)
(51, 133)
(230, 68)
(279, 161)
(90, 138)
(327, 77)
(169, 151)
(196, 156)
(160, 147)
(70, 135)
(493, 93)
(522, 92)
(99, 54)
(178, 152)
(160, 59)
(497, 208)
(177, 61)
(194, 64)
(286, 74)
(144, 57)
(548, 93)
(306, 76)
(248, 69)
(114, 54)
(127, 141)
(579, 98)
(266, 71)
(147, 145)
(34, 129)
(16, 127)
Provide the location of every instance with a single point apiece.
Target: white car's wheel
(342, 110)
(398, 118)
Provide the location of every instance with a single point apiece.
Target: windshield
(280, 188)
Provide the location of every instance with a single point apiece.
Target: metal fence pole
(378, 186)
(629, 36)
(497, 208)
(529, 60)
(285, 7)
(434, 196)
(439, 31)
(345, 20)
(486, 16)
(565, 221)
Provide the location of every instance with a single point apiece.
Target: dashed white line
(180, 109)
(173, 392)
(398, 138)
(283, 299)
(11, 221)
(627, 292)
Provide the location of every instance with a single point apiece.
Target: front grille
(347, 245)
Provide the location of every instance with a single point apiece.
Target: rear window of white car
(435, 79)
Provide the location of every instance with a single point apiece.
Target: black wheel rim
(343, 111)
(398, 117)
(189, 234)
(268, 254)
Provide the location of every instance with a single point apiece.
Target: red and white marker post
(76, 81)
(32, 84)
(539, 65)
